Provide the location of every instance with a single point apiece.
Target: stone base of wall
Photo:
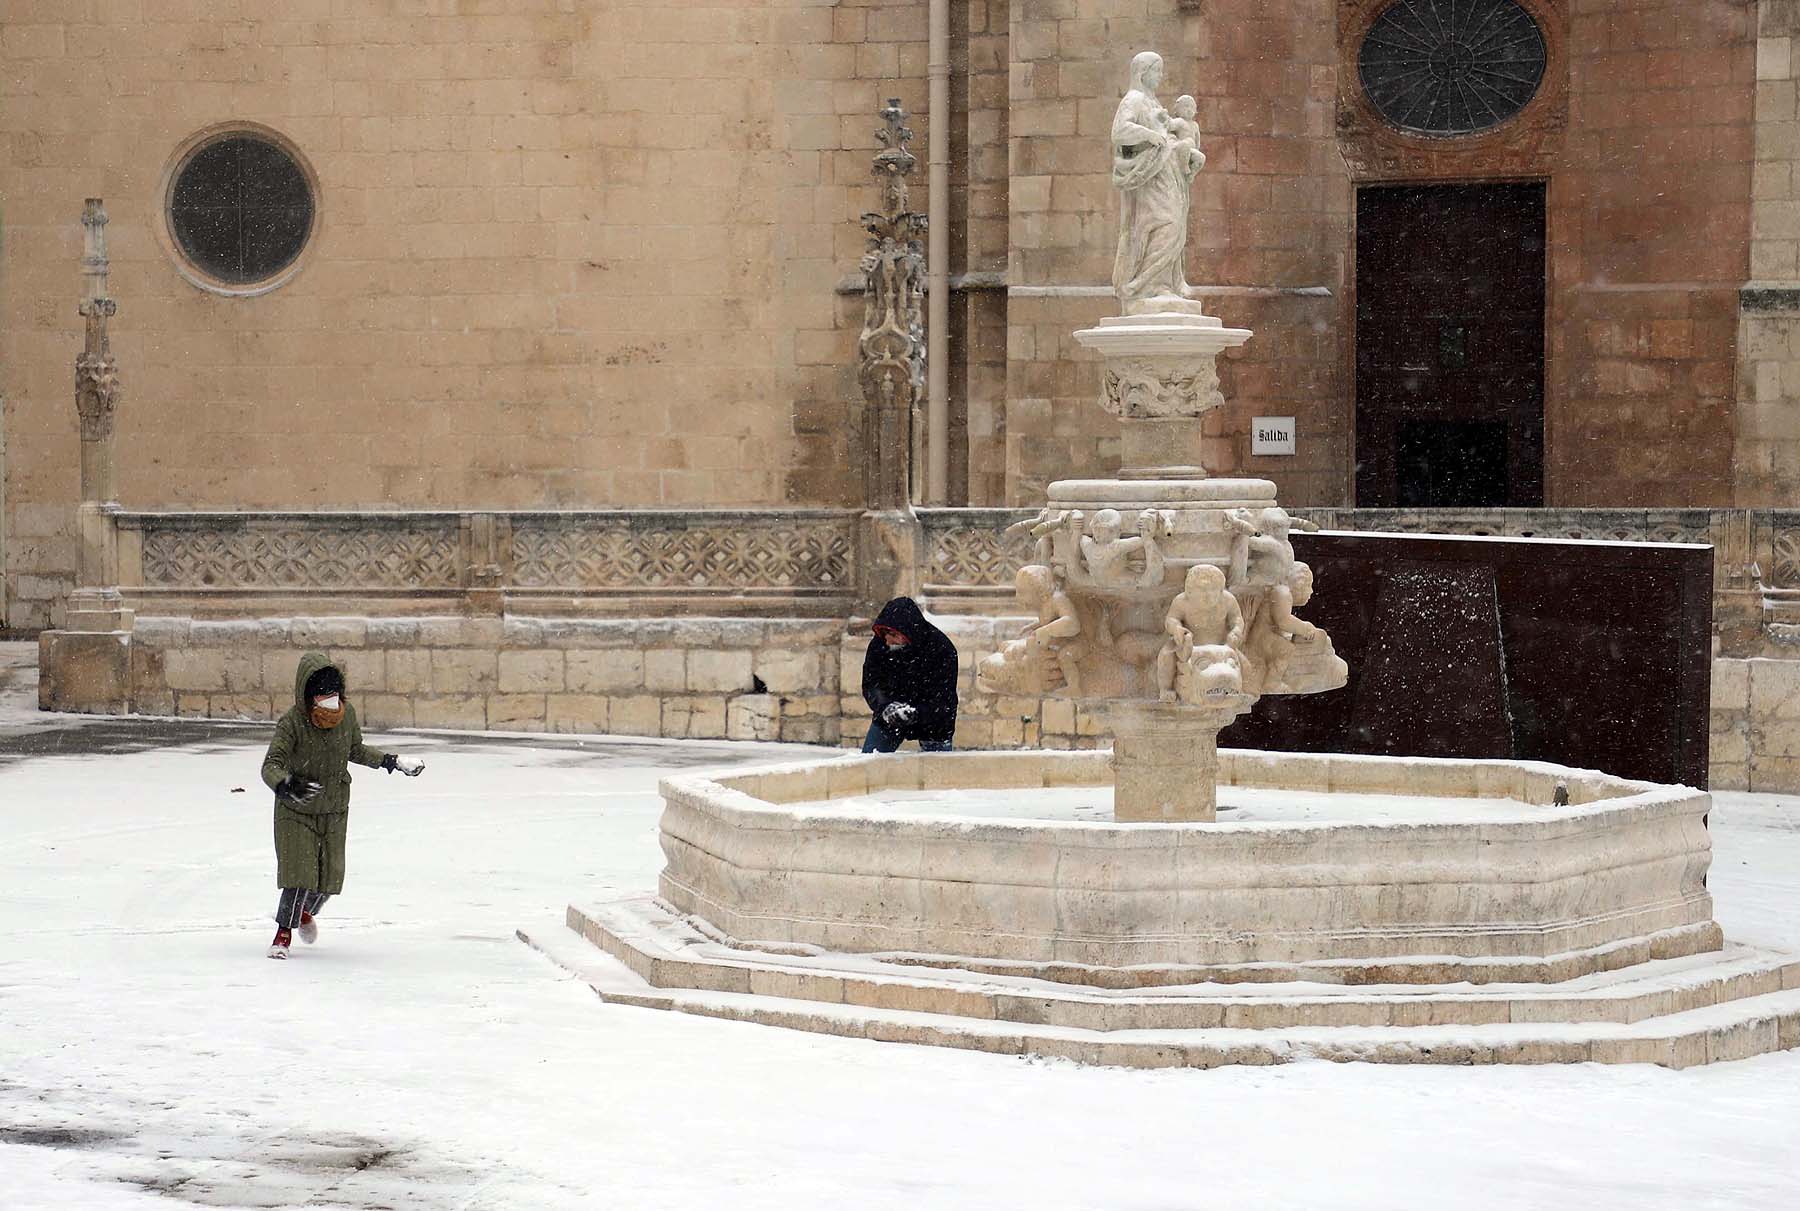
(1756, 725)
(796, 680)
(85, 671)
(693, 678)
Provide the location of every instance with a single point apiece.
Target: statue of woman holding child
(1155, 157)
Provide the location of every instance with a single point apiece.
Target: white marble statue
(1154, 162)
(1205, 629)
(1041, 530)
(1048, 652)
(1260, 548)
(1106, 555)
(1283, 653)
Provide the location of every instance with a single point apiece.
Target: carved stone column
(891, 354)
(86, 666)
(95, 604)
(1166, 758)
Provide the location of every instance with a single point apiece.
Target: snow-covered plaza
(421, 1056)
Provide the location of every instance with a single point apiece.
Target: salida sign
(1272, 435)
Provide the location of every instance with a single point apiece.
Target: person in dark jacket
(308, 768)
(909, 681)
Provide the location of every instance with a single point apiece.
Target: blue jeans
(880, 740)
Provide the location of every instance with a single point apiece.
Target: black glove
(387, 763)
(412, 767)
(296, 789)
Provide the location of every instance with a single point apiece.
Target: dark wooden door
(1450, 346)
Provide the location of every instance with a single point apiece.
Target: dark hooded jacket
(321, 755)
(923, 673)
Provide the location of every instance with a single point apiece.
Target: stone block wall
(568, 253)
(695, 678)
(1756, 725)
(797, 680)
(1649, 226)
(1766, 458)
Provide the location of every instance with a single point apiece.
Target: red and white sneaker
(278, 949)
(309, 929)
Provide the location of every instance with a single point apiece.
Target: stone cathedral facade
(466, 266)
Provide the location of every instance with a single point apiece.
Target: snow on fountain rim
(1516, 792)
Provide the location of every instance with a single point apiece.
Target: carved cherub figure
(1106, 555)
(1276, 637)
(1045, 654)
(1042, 532)
(1205, 628)
(1260, 546)
(1052, 636)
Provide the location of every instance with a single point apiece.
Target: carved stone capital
(1141, 388)
(96, 394)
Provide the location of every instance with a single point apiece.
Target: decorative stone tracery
(892, 346)
(1141, 388)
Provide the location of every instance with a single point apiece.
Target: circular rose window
(240, 209)
(1451, 67)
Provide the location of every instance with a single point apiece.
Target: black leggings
(296, 901)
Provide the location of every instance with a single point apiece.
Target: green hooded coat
(309, 838)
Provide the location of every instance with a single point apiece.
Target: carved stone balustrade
(613, 562)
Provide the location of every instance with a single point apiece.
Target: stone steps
(1681, 1012)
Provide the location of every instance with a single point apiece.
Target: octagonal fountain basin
(1450, 870)
(1346, 908)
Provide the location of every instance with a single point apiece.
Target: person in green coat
(308, 768)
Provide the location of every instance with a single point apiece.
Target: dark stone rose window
(1451, 67)
(241, 209)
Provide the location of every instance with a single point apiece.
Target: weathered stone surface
(1610, 1020)
(579, 712)
(84, 672)
(232, 669)
(700, 717)
(408, 671)
(1627, 865)
(753, 717)
(248, 633)
(458, 671)
(718, 671)
(784, 671)
(525, 672)
(515, 712)
(392, 633)
(635, 715)
(385, 710)
(665, 669)
(326, 634)
(604, 672)
(464, 712)
(487, 633)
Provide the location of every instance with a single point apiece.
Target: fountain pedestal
(1161, 375)
(1166, 759)
(1165, 594)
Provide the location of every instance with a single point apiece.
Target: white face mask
(330, 702)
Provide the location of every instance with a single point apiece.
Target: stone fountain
(1166, 594)
(1092, 906)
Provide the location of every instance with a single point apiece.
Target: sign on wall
(1272, 435)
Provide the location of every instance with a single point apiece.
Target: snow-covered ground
(420, 1057)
